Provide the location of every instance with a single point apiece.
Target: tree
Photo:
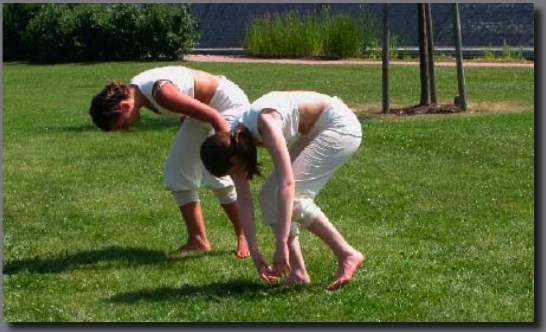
(385, 57)
(460, 100)
(428, 99)
(426, 55)
(423, 59)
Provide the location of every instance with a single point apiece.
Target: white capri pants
(184, 169)
(315, 157)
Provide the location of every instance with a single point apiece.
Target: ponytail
(218, 149)
(244, 146)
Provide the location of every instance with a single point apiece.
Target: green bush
(369, 31)
(283, 35)
(167, 33)
(15, 17)
(342, 37)
(48, 35)
(93, 37)
(315, 34)
(102, 32)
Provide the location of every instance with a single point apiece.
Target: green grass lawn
(442, 206)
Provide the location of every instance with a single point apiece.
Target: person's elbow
(288, 184)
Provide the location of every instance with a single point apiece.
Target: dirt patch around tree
(426, 109)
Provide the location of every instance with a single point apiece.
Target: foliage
(104, 32)
(506, 53)
(48, 35)
(341, 37)
(318, 33)
(15, 17)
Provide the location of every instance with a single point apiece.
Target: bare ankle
(242, 248)
(195, 243)
(298, 277)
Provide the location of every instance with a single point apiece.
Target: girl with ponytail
(308, 135)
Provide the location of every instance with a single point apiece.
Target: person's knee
(305, 211)
(184, 197)
(172, 177)
(225, 195)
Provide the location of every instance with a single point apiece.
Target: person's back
(287, 104)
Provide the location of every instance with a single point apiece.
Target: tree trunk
(430, 54)
(460, 100)
(425, 92)
(385, 54)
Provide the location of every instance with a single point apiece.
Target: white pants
(183, 168)
(315, 158)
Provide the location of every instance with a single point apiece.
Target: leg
(225, 193)
(298, 274)
(195, 225)
(349, 259)
(312, 171)
(242, 247)
(183, 173)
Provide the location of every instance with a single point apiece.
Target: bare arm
(273, 140)
(246, 209)
(246, 213)
(170, 97)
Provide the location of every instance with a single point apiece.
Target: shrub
(167, 31)
(108, 32)
(15, 17)
(48, 35)
(342, 37)
(93, 38)
(316, 34)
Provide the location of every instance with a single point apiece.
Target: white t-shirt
(180, 76)
(286, 104)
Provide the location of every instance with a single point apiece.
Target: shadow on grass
(145, 124)
(232, 288)
(120, 255)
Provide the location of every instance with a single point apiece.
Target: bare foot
(194, 245)
(345, 270)
(300, 279)
(242, 248)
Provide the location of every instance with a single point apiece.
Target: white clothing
(181, 77)
(286, 104)
(315, 157)
(183, 168)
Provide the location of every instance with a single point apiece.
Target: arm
(246, 213)
(273, 140)
(172, 99)
(246, 210)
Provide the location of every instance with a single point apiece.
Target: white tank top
(180, 76)
(286, 104)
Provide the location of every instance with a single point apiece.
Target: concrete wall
(222, 25)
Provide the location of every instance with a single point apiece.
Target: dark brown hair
(217, 150)
(104, 108)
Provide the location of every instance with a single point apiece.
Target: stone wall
(222, 25)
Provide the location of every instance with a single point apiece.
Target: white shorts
(316, 156)
(183, 168)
